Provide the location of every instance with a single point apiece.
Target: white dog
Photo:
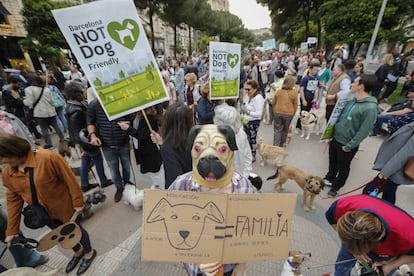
(312, 121)
(403, 270)
(293, 263)
(133, 196)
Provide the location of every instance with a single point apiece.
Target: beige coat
(57, 188)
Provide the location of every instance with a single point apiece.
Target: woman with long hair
(175, 127)
(252, 109)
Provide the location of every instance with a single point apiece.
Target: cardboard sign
(204, 227)
(343, 100)
(225, 61)
(110, 44)
(303, 47)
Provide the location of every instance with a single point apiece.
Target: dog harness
(315, 119)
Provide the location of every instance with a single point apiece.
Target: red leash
(380, 183)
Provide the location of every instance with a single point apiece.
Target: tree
(353, 21)
(153, 7)
(43, 35)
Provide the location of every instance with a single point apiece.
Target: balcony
(7, 29)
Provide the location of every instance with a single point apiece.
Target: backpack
(58, 99)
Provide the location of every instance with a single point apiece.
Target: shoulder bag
(35, 215)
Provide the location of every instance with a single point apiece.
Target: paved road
(115, 229)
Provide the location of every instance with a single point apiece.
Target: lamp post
(374, 34)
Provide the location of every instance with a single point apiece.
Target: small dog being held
(29, 271)
(270, 152)
(403, 270)
(293, 263)
(311, 185)
(311, 122)
(133, 196)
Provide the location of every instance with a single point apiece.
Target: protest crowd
(274, 87)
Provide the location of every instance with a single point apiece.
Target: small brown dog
(311, 185)
(270, 152)
(289, 135)
(293, 263)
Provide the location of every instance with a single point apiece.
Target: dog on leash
(270, 152)
(293, 263)
(289, 135)
(133, 196)
(310, 184)
(29, 271)
(311, 122)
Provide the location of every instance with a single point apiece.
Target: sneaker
(42, 260)
(107, 183)
(332, 192)
(89, 187)
(129, 183)
(118, 194)
(327, 182)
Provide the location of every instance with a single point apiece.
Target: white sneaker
(327, 182)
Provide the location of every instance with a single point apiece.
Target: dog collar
(295, 267)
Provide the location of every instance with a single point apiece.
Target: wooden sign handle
(148, 124)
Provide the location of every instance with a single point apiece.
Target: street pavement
(115, 228)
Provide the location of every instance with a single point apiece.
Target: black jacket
(108, 131)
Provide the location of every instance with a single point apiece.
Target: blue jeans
(344, 269)
(113, 155)
(380, 120)
(87, 157)
(44, 124)
(21, 255)
(62, 118)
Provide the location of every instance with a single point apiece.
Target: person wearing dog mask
(212, 149)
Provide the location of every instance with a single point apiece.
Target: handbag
(409, 168)
(30, 115)
(35, 215)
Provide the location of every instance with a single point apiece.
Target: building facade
(11, 31)
(164, 34)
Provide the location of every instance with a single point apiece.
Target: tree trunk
(318, 22)
(151, 23)
(189, 40)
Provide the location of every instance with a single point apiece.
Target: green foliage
(354, 20)
(43, 35)
(300, 35)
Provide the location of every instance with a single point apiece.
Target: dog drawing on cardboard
(311, 185)
(270, 152)
(311, 122)
(292, 265)
(173, 217)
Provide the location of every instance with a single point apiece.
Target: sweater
(45, 107)
(285, 102)
(356, 121)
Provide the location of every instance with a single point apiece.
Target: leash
(342, 194)
(340, 262)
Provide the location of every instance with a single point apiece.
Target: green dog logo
(232, 59)
(125, 34)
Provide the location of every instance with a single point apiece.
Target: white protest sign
(224, 70)
(110, 44)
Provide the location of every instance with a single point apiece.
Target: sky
(253, 15)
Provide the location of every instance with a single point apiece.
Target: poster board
(204, 227)
(269, 44)
(225, 61)
(113, 51)
(303, 47)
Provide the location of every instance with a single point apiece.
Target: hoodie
(356, 121)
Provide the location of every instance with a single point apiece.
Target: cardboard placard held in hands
(227, 228)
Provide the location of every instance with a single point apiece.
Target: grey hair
(227, 115)
(74, 90)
